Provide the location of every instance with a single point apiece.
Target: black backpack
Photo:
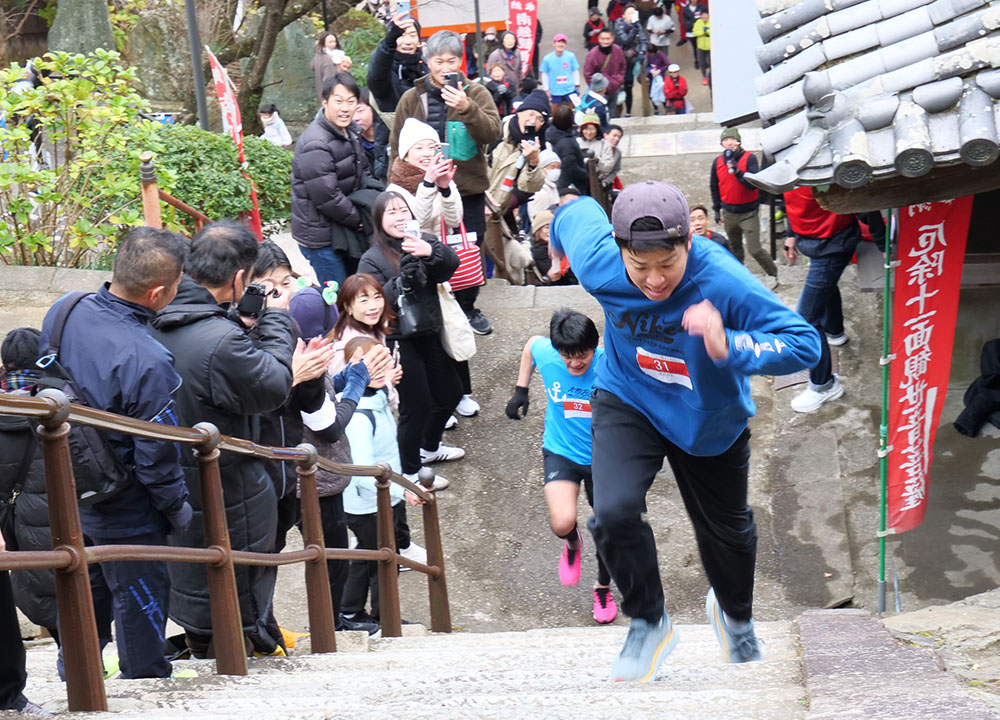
(99, 472)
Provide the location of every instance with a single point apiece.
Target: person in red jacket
(736, 202)
(675, 90)
(593, 27)
(609, 60)
(829, 241)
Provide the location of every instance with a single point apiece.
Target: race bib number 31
(664, 368)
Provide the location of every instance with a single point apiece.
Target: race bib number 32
(664, 368)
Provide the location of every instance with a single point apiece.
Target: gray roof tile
(859, 90)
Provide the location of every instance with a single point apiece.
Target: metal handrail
(69, 557)
(152, 195)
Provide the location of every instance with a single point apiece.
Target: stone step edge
(854, 668)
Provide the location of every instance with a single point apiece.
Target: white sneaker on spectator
(440, 483)
(415, 553)
(811, 399)
(467, 407)
(442, 454)
(452, 423)
(836, 340)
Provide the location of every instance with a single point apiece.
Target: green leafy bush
(271, 168)
(358, 33)
(66, 204)
(202, 169)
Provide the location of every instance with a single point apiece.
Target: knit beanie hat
(731, 133)
(540, 219)
(536, 100)
(591, 119)
(598, 82)
(413, 132)
(547, 157)
(20, 349)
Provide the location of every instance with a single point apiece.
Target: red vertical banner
(931, 249)
(523, 22)
(233, 124)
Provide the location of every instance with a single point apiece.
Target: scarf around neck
(405, 175)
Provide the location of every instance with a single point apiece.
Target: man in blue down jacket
(228, 380)
(107, 350)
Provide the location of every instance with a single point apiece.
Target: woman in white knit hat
(425, 178)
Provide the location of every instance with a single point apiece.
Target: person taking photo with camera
(464, 116)
(228, 379)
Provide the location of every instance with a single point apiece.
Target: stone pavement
(829, 665)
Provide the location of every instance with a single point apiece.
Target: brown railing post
(75, 604)
(388, 570)
(227, 624)
(150, 194)
(437, 587)
(321, 621)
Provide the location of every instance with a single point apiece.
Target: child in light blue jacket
(372, 434)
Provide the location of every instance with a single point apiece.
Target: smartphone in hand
(451, 79)
(412, 228)
(403, 6)
(445, 151)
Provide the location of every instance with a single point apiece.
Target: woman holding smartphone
(409, 264)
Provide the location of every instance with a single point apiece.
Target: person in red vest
(675, 90)
(736, 201)
(593, 27)
(829, 241)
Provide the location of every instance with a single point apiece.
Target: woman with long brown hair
(409, 265)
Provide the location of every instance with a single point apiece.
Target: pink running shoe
(605, 607)
(569, 563)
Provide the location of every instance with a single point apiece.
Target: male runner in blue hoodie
(686, 324)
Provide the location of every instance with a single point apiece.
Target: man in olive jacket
(228, 380)
(466, 118)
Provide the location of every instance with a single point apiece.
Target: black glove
(518, 402)
(413, 272)
(718, 217)
(392, 34)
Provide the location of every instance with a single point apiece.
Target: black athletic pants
(628, 452)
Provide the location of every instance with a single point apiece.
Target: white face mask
(267, 121)
(553, 175)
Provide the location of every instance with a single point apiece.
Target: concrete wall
(26, 293)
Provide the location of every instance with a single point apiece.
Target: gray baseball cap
(654, 199)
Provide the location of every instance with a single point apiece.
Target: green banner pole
(883, 451)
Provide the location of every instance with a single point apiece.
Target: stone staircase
(828, 664)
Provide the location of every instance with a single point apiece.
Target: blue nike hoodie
(652, 364)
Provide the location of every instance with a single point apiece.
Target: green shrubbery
(201, 169)
(358, 33)
(68, 206)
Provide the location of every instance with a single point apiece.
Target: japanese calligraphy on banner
(931, 250)
(233, 124)
(522, 22)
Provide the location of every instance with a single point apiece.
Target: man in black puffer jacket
(228, 380)
(329, 167)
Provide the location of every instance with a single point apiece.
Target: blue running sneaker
(738, 646)
(646, 646)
